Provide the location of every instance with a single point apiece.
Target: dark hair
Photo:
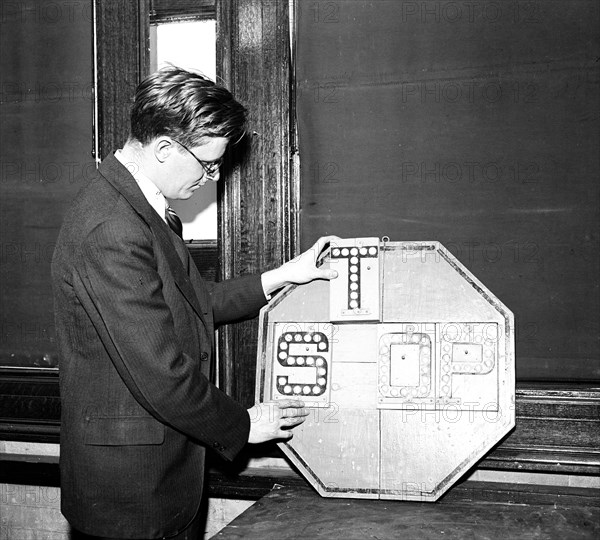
(185, 106)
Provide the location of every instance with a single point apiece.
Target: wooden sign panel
(406, 362)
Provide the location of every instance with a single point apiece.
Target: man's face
(185, 173)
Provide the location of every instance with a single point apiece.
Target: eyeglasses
(210, 167)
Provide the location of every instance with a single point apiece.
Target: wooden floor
(300, 513)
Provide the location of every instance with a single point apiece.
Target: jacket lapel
(122, 180)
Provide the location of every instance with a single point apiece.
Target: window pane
(190, 45)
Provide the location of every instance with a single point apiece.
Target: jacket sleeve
(122, 293)
(236, 299)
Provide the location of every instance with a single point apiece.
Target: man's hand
(301, 269)
(270, 421)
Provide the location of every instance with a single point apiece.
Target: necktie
(174, 222)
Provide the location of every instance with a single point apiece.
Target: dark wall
(475, 124)
(46, 141)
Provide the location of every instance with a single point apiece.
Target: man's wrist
(272, 281)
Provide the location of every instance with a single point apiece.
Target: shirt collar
(153, 195)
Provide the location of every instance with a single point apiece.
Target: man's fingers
(290, 404)
(286, 435)
(326, 274)
(322, 242)
(293, 421)
(293, 413)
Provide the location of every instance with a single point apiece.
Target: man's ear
(162, 148)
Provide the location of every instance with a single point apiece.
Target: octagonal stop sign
(406, 362)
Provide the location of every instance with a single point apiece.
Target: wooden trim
(123, 55)
(558, 430)
(255, 483)
(256, 196)
(205, 254)
(167, 11)
(29, 405)
(558, 426)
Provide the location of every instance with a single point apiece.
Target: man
(135, 323)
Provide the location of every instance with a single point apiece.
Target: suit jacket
(135, 322)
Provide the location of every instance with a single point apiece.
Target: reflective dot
(478, 339)
(423, 389)
(425, 380)
(354, 251)
(288, 337)
(344, 252)
(372, 251)
(281, 381)
(445, 378)
(353, 277)
(320, 362)
(298, 337)
(413, 392)
(424, 340)
(287, 389)
(353, 295)
(446, 368)
(297, 389)
(316, 337)
(385, 389)
(307, 338)
(316, 389)
(354, 269)
(321, 381)
(283, 345)
(478, 368)
(283, 355)
(291, 361)
(446, 348)
(353, 260)
(489, 363)
(445, 389)
(300, 360)
(321, 371)
(306, 390)
(488, 353)
(353, 304)
(322, 346)
(394, 392)
(446, 358)
(310, 361)
(363, 251)
(353, 286)
(336, 252)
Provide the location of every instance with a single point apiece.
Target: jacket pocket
(124, 431)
